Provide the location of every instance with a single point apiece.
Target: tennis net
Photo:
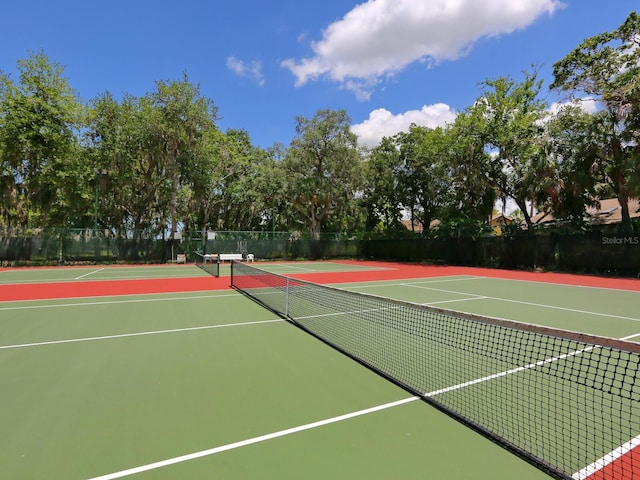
(568, 403)
(209, 262)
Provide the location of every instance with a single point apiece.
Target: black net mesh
(210, 263)
(565, 401)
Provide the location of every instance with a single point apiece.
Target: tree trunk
(626, 227)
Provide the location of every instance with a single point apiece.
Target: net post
(206, 263)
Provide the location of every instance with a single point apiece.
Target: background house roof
(607, 212)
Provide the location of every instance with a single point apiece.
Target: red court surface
(381, 271)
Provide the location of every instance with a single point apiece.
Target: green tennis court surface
(211, 385)
(98, 273)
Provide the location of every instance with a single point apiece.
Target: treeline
(159, 163)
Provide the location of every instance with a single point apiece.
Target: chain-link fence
(591, 252)
(48, 246)
(103, 246)
(584, 252)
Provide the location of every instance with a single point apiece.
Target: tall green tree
(41, 165)
(473, 194)
(425, 174)
(323, 167)
(512, 112)
(241, 205)
(106, 144)
(272, 184)
(150, 154)
(127, 173)
(383, 191)
(607, 67)
(199, 200)
(184, 116)
(572, 148)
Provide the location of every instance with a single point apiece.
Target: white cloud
(252, 70)
(586, 104)
(380, 37)
(382, 123)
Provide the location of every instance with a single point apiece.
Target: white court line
(356, 286)
(287, 267)
(521, 302)
(559, 284)
(151, 277)
(138, 334)
(104, 279)
(90, 273)
(629, 337)
(599, 464)
(251, 441)
(477, 297)
(482, 277)
(309, 426)
(113, 302)
(457, 300)
(37, 281)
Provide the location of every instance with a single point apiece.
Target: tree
(150, 155)
(239, 164)
(41, 166)
(425, 174)
(607, 67)
(271, 183)
(513, 134)
(184, 118)
(473, 195)
(383, 191)
(323, 168)
(199, 201)
(123, 146)
(572, 148)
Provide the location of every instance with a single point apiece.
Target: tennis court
(163, 372)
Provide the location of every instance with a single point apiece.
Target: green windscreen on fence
(567, 402)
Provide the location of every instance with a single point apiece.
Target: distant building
(499, 221)
(416, 226)
(412, 226)
(607, 213)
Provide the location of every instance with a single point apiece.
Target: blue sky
(386, 62)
